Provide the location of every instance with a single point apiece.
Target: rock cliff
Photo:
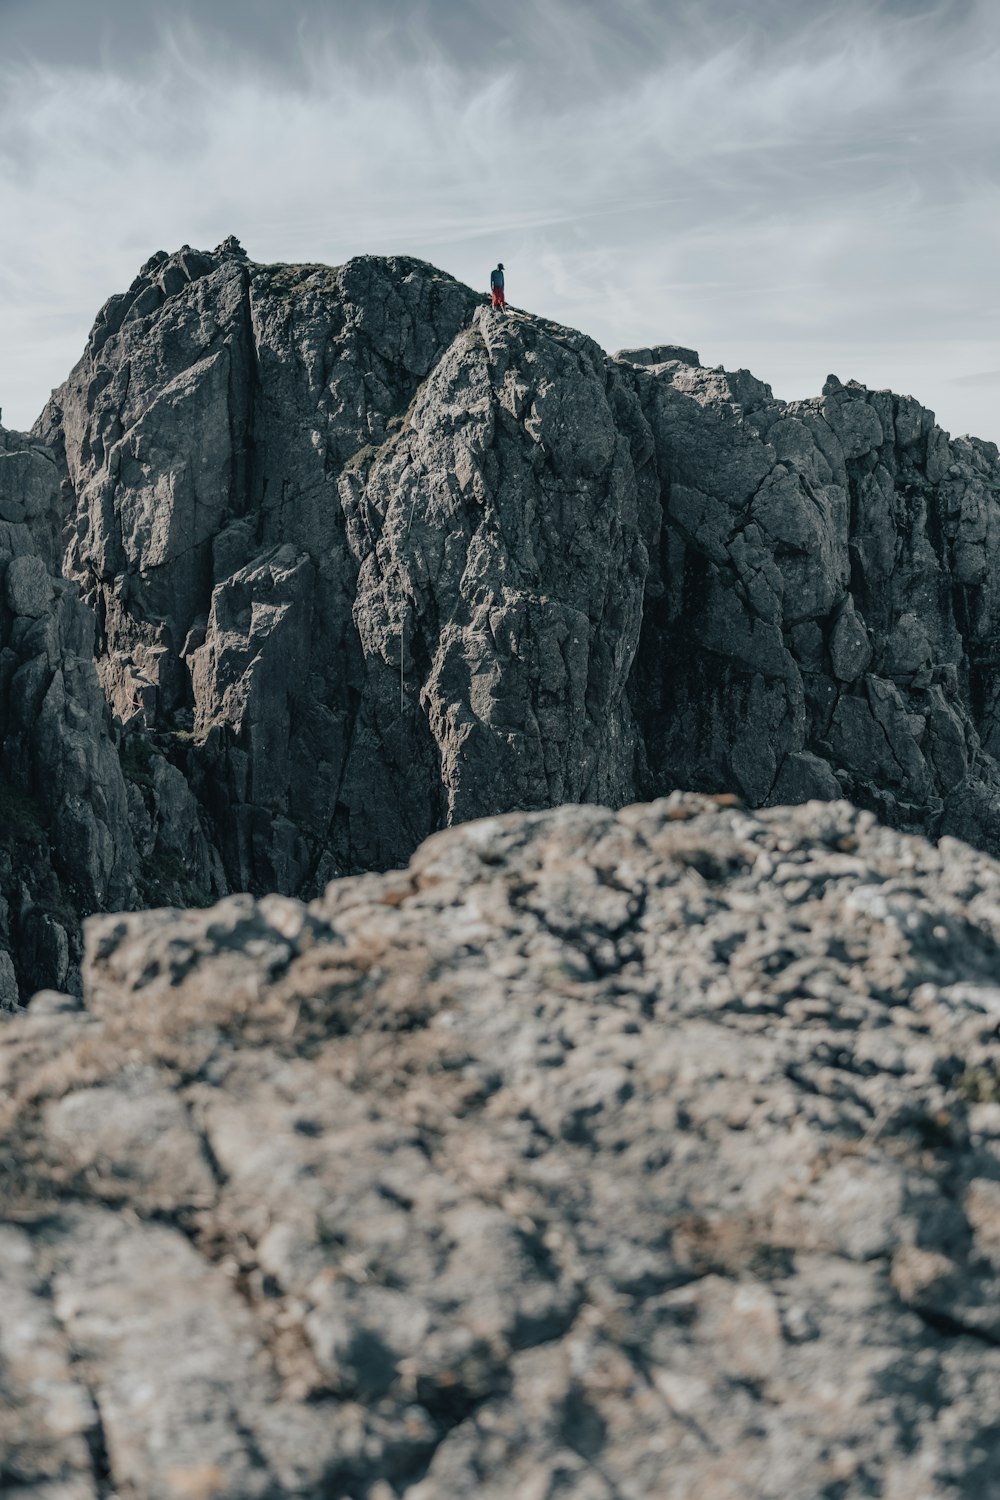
(366, 559)
(88, 821)
(597, 1155)
(372, 561)
(829, 616)
(65, 846)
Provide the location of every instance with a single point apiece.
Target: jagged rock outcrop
(830, 618)
(368, 558)
(383, 556)
(82, 828)
(594, 1154)
(65, 841)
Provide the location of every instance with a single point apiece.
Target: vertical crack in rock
(104, 1479)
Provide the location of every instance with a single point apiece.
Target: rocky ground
(597, 1154)
(604, 1155)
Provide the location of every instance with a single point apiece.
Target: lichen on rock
(598, 1153)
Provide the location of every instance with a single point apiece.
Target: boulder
(658, 354)
(850, 648)
(599, 1154)
(28, 587)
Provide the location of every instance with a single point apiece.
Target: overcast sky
(788, 186)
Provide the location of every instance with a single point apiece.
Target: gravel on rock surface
(595, 1154)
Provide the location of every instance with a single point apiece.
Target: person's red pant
(498, 297)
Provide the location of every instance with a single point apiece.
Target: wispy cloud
(982, 380)
(774, 194)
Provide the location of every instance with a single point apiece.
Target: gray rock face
(28, 586)
(594, 1154)
(65, 841)
(367, 560)
(823, 598)
(659, 354)
(73, 839)
(382, 554)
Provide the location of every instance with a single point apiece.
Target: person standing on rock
(496, 287)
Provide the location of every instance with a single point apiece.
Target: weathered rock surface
(829, 614)
(65, 842)
(597, 1155)
(367, 560)
(77, 834)
(363, 560)
(382, 555)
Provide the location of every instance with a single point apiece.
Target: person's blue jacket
(496, 277)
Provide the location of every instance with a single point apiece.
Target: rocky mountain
(89, 821)
(604, 1151)
(364, 559)
(337, 551)
(598, 1155)
(64, 847)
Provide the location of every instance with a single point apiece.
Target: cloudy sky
(788, 186)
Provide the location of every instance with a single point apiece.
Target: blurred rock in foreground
(599, 1155)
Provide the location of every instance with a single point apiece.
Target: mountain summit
(602, 1151)
(365, 559)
